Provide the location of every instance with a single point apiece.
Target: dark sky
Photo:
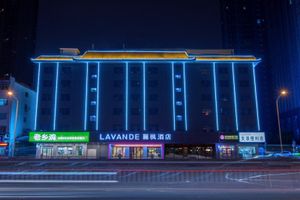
(144, 24)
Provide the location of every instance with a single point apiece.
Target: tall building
(245, 29)
(146, 104)
(14, 132)
(17, 38)
(284, 37)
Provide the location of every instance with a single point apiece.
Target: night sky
(140, 24)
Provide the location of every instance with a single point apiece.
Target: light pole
(12, 139)
(282, 93)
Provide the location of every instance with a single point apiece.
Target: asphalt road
(157, 180)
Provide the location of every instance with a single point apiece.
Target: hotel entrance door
(136, 152)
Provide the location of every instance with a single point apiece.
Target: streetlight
(12, 141)
(282, 93)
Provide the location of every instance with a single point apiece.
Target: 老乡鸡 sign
(59, 137)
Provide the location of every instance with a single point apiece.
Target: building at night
(146, 105)
(25, 116)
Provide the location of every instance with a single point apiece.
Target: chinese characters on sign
(135, 136)
(252, 137)
(59, 137)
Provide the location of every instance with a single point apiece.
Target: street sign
(252, 137)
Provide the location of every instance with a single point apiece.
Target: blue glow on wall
(216, 97)
(144, 96)
(126, 94)
(255, 95)
(173, 97)
(98, 85)
(86, 94)
(37, 95)
(55, 96)
(234, 97)
(185, 98)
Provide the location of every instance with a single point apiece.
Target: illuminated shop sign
(229, 137)
(59, 137)
(135, 137)
(252, 137)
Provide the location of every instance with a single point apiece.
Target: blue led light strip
(98, 85)
(234, 96)
(255, 95)
(86, 94)
(173, 97)
(144, 96)
(216, 97)
(126, 93)
(185, 99)
(55, 98)
(37, 96)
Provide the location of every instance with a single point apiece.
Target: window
(118, 97)
(48, 70)
(65, 97)
(26, 94)
(94, 76)
(135, 97)
(93, 118)
(24, 119)
(152, 70)
(93, 89)
(117, 111)
(46, 111)
(66, 70)
(2, 129)
(179, 117)
(64, 111)
(118, 70)
(223, 70)
(3, 102)
(178, 103)
(26, 108)
(3, 116)
(244, 83)
(205, 83)
(153, 97)
(243, 70)
(135, 111)
(205, 112)
(47, 83)
(206, 97)
(178, 90)
(178, 76)
(153, 111)
(93, 103)
(135, 70)
(65, 83)
(224, 83)
(135, 83)
(152, 83)
(118, 83)
(46, 97)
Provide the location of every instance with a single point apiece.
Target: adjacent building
(140, 104)
(14, 131)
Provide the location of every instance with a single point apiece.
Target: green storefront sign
(54, 137)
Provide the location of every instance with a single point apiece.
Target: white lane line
(57, 173)
(59, 181)
(263, 175)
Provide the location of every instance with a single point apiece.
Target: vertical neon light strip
(126, 93)
(55, 97)
(37, 95)
(216, 97)
(185, 99)
(98, 85)
(144, 96)
(173, 97)
(234, 96)
(86, 94)
(255, 94)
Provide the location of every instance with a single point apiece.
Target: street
(279, 179)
